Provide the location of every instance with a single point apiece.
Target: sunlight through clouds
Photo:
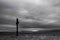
(37, 2)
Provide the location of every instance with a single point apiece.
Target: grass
(49, 35)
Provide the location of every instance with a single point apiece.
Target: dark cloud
(43, 14)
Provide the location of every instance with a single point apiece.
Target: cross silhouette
(17, 22)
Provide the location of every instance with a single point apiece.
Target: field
(49, 35)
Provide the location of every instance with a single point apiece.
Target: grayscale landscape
(38, 19)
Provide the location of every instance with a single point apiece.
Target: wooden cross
(17, 22)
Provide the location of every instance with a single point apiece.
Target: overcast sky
(42, 11)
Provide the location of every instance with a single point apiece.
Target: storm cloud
(41, 11)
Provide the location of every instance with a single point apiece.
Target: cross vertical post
(17, 22)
